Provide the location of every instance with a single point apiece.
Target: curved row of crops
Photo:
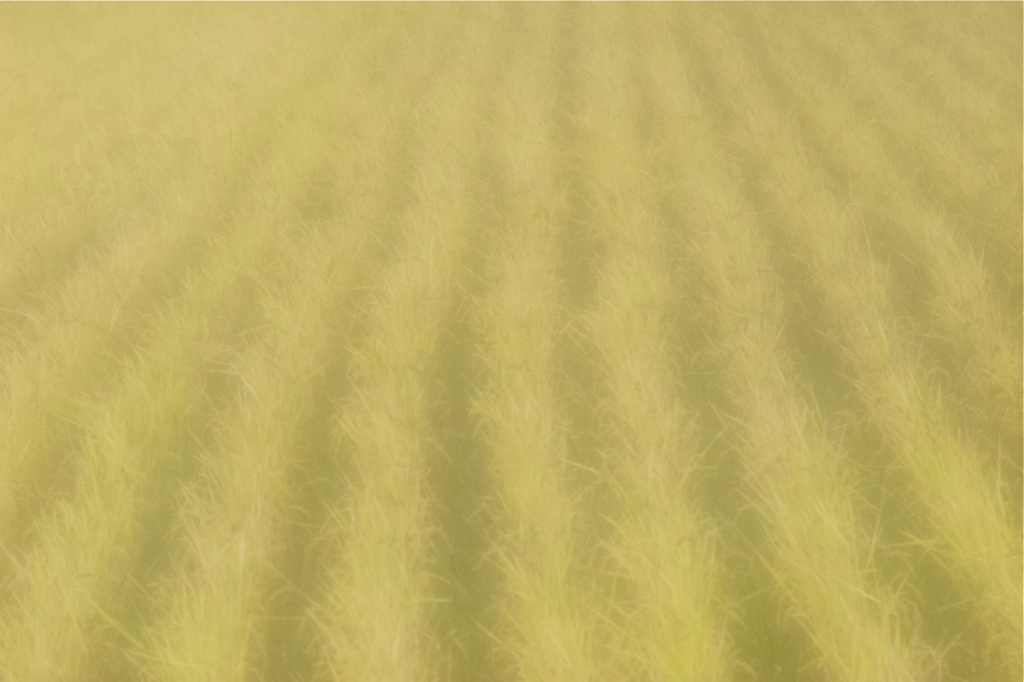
(511, 342)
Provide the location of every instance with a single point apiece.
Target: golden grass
(376, 622)
(970, 517)
(673, 625)
(216, 615)
(818, 552)
(547, 606)
(727, 286)
(963, 301)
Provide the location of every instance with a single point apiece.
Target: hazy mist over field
(511, 342)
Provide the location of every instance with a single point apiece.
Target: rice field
(511, 342)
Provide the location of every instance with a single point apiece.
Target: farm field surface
(511, 342)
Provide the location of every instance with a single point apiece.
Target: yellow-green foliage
(673, 627)
(818, 553)
(547, 603)
(375, 623)
(970, 516)
(393, 343)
